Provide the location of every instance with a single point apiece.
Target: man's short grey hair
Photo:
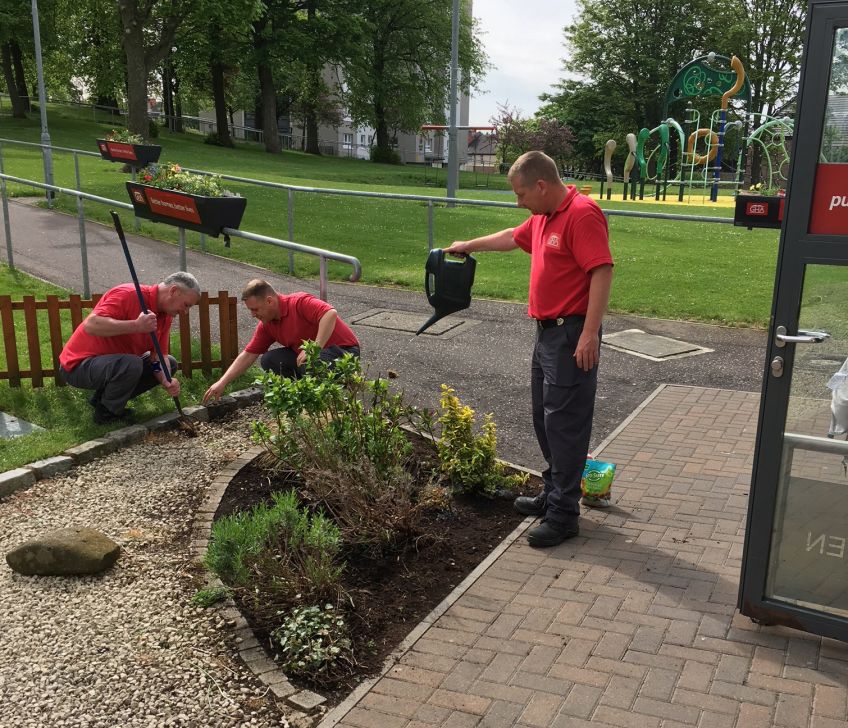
(534, 166)
(184, 280)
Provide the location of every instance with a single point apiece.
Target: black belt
(561, 321)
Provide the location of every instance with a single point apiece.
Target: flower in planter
(170, 176)
(767, 191)
(124, 136)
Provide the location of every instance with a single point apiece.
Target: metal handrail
(816, 444)
(322, 254)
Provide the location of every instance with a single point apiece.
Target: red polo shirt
(120, 302)
(565, 247)
(298, 322)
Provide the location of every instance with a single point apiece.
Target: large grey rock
(64, 552)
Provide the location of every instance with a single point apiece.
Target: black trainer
(551, 533)
(528, 506)
(103, 416)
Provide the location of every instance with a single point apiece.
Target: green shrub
(276, 555)
(210, 595)
(313, 643)
(152, 129)
(468, 460)
(343, 434)
(384, 156)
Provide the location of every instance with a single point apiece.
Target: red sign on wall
(829, 213)
(173, 205)
(119, 150)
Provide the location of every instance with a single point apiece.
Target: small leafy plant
(170, 176)
(468, 460)
(313, 642)
(124, 136)
(210, 595)
(276, 555)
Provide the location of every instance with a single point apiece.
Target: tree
(511, 133)
(148, 28)
(399, 76)
(15, 22)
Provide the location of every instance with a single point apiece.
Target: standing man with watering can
(110, 352)
(570, 278)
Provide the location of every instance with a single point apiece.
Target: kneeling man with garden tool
(111, 351)
(288, 320)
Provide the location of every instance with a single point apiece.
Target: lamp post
(46, 152)
(453, 150)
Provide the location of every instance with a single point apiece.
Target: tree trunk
(268, 102)
(136, 80)
(167, 95)
(221, 120)
(312, 146)
(18, 110)
(20, 76)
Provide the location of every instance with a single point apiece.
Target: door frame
(797, 249)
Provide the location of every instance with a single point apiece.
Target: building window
(348, 141)
(362, 139)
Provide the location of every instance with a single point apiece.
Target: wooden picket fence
(35, 370)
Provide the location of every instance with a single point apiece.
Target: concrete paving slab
(410, 323)
(651, 346)
(12, 427)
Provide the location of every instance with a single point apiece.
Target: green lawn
(677, 270)
(64, 412)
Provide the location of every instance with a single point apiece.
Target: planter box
(193, 212)
(137, 155)
(760, 211)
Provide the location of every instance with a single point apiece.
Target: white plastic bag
(838, 384)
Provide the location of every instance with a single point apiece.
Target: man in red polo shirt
(111, 351)
(288, 320)
(570, 279)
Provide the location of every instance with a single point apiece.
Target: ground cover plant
(357, 485)
(677, 270)
(64, 411)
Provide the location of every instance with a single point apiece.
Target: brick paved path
(634, 622)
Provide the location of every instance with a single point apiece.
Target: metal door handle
(802, 337)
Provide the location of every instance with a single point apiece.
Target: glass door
(795, 562)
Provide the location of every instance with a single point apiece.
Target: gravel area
(125, 648)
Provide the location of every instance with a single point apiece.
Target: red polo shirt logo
(553, 240)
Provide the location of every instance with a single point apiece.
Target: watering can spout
(447, 284)
(430, 321)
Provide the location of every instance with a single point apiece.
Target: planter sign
(137, 155)
(193, 212)
(761, 211)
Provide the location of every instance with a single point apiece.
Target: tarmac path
(487, 364)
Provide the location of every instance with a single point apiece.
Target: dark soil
(393, 593)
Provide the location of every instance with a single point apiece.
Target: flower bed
(121, 146)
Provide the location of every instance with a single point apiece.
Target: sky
(524, 40)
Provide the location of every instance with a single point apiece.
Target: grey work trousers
(283, 361)
(563, 407)
(115, 378)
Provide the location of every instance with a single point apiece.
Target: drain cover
(410, 322)
(651, 346)
(11, 426)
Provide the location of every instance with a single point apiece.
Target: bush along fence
(57, 330)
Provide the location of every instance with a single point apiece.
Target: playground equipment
(691, 155)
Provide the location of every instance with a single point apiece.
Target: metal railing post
(136, 222)
(81, 218)
(322, 278)
(429, 224)
(291, 230)
(10, 259)
(182, 237)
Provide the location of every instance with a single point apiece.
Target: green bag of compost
(597, 479)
